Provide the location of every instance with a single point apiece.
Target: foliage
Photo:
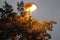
(13, 26)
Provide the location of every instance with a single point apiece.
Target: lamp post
(30, 7)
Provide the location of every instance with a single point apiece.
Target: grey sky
(49, 9)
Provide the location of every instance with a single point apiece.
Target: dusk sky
(49, 9)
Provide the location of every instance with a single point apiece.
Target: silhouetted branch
(20, 6)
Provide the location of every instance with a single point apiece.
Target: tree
(18, 26)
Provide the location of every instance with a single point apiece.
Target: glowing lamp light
(30, 7)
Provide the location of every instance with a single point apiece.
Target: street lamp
(30, 7)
